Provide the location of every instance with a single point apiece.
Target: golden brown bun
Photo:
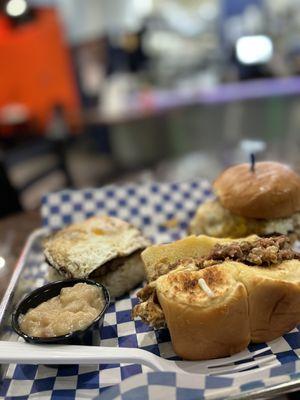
(202, 327)
(248, 303)
(157, 256)
(273, 299)
(271, 191)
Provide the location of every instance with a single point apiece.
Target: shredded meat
(112, 265)
(150, 311)
(164, 268)
(263, 252)
(109, 266)
(144, 293)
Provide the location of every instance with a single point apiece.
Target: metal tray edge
(17, 271)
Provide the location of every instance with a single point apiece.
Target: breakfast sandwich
(102, 248)
(264, 200)
(218, 295)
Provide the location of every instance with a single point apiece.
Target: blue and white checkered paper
(162, 212)
(147, 206)
(173, 386)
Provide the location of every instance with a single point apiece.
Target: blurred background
(101, 91)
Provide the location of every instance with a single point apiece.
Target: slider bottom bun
(273, 298)
(204, 327)
(118, 282)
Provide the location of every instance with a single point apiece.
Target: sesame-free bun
(272, 190)
(202, 327)
(273, 298)
(249, 303)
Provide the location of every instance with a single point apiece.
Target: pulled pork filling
(150, 310)
(112, 265)
(261, 252)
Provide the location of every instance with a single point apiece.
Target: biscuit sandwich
(218, 295)
(102, 248)
(263, 200)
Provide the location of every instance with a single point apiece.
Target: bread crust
(255, 304)
(273, 299)
(272, 190)
(205, 328)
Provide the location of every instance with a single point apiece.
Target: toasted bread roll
(239, 290)
(202, 325)
(273, 298)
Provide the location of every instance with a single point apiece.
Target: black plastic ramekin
(87, 336)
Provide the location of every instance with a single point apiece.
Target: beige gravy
(73, 309)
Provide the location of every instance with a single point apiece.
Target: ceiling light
(16, 8)
(256, 49)
(2, 262)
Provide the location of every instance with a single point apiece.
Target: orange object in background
(36, 70)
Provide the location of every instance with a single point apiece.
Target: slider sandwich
(262, 200)
(218, 295)
(102, 248)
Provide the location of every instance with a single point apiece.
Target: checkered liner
(172, 386)
(162, 212)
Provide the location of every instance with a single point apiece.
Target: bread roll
(255, 304)
(234, 292)
(272, 190)
(273, 298)
(204, 327)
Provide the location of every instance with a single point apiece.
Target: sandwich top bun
(273, 298)
(204, 327)
(272, 190)
(243, 304)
